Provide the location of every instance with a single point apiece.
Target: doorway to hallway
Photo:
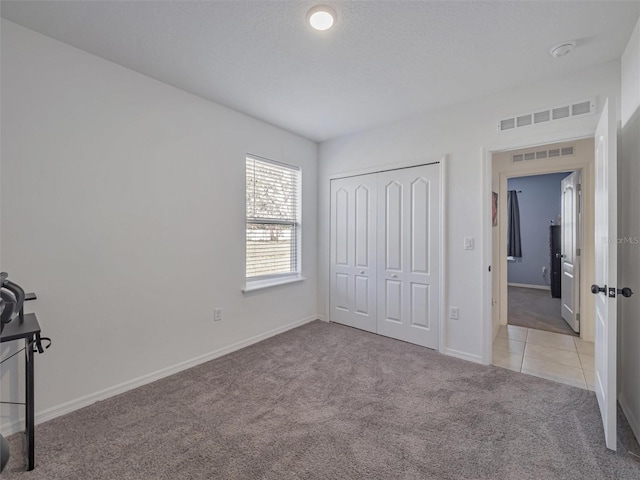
(543, 220)
(530, 334)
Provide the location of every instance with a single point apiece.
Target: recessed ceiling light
(321, 17)
(563, 49)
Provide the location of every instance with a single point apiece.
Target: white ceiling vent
(583, 107)
(538, 154)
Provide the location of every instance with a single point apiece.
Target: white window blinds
(273, 227)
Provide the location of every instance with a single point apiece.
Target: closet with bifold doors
(385, 253)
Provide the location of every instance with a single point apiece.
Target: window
(273, 221)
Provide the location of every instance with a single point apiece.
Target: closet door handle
(361, 272)
(394, 276)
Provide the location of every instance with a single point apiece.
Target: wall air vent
(566, 151)
(538, 154)
(507, 124)
(561, 112)
(523, 120)
(575, 109)
(540, 117)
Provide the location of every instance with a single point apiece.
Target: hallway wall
(540, 205)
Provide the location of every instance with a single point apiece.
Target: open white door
(606, 270)
(570, 280)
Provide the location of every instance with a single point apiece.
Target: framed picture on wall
(494, 209)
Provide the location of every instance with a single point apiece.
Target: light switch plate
(468, 243)
(453, 313)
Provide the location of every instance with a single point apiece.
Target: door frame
(442, 300)
(587, 246)
(559, 136)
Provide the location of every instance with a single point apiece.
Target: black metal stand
(29, 331)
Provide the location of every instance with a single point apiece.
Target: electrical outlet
(217, 314)
(453, 313)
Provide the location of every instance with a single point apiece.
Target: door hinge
(577, 252)
(577, 317)
(579, 187)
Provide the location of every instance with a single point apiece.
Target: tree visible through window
(273, 227)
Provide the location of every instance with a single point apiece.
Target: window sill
(272, 282)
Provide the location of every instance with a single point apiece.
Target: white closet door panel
(390, 245)
(342, 291)
(393, 202)
(420, 226)
(423, 274)
(409, 223)
(419, 305)
(393, 301)
(362, 241)
(362, 300)
(353, 262)
(341, 238)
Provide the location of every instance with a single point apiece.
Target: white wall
(123, 209)
(540, 200)
(629, 229)
(630, 77)
(461, 133)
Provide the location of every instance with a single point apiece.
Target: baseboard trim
(470, 357)
(323, 318)
(526, 285)
(631, 418)
(16, 426)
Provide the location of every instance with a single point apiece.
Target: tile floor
(557, 357)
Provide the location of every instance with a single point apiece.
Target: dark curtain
(514, 246)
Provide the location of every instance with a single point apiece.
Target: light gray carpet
(533, 308)
(325, 401)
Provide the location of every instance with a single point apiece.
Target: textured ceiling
(382, 61)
